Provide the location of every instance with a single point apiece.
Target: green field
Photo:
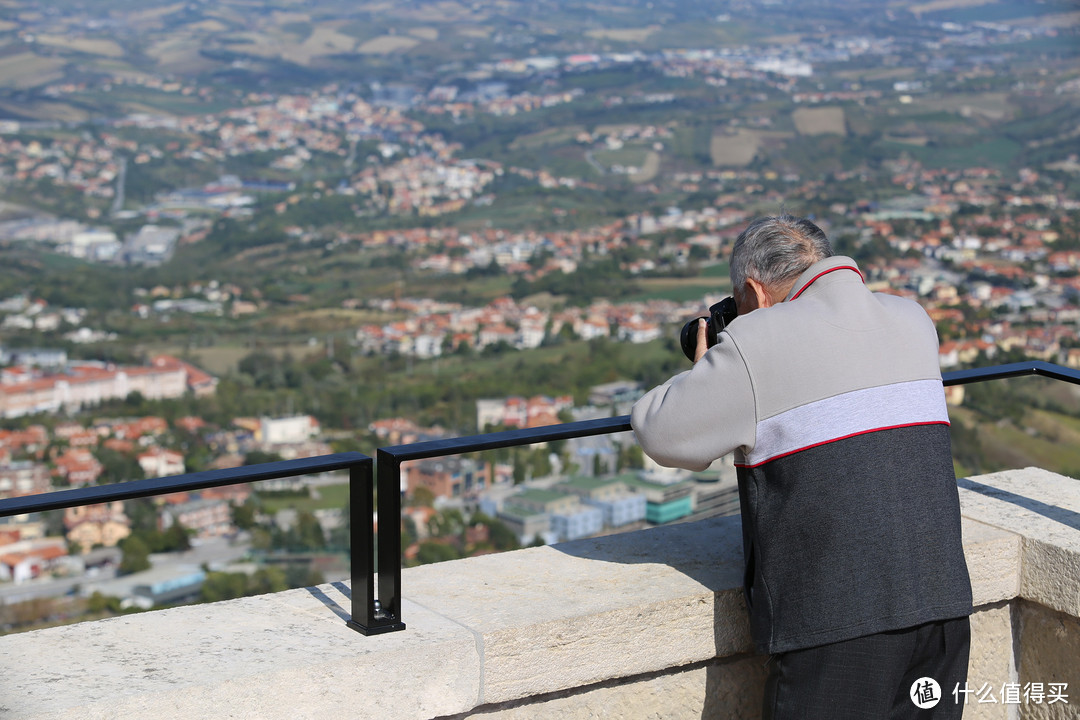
(156, 100)
(1048, 440)
(325, 497)
(625, 156)
(1014, 447)
(712, 280)
(547, 137)
(997, 152)
(222, 359)
(721, 270)
(27, 69)
(679, 289)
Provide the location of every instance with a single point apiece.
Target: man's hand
(702, 340)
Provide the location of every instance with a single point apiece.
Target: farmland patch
(820, 121)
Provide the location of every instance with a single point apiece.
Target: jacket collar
(829, 266)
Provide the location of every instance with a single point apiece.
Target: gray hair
(776, 250)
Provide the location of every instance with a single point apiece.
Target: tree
(433, 552)
(630, 457)
(449, 523)
(223, 586)
(261, 539)
(175, 539)
(502, 538)
(306, 535)
(303, 575)
(540, 462)
(136, 555)
(258, 457)
(339, 539)
(117, 466)
(27, 612)
(98, 603)
(267, 580)
(409, 532)
(309, 533)
(421, 497)
(243, 516)
(143, 515)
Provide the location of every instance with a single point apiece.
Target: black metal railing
(1017, 369)
(373, 614)
(365, 615)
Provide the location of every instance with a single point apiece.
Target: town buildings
(519, 412)
(449, 477)
(90, 526)
(23, 477)
(25, 559)
(27, 390)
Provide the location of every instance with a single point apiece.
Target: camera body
(720, 315)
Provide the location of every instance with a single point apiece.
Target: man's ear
(761, 296)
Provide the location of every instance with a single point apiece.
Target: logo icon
(925, 693)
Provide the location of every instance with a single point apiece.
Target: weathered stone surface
(583, 612)
(1051, 575)
(993, 559)
(717, 690)
(991, 662)
(1050, 653)
(271, 656)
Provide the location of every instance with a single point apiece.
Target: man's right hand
(702, 339)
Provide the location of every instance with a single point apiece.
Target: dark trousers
(871, 677)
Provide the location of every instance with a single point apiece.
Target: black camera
(720, 315)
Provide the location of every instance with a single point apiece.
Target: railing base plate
(376, 629)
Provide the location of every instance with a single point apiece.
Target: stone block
(286, 655)
(990, 662)
(1049, 653)
(993, 560)
(1043, 509)
(588, 611)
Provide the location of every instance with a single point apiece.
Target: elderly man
(830, 396)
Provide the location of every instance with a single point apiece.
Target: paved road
(214, 553)
(47, 587)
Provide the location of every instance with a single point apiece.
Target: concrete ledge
(1042, 509)
(271, 656)
(623, 624)
(578, 613)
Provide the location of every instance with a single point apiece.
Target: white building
(578, 522)
(158, 462)
(284, 430)
(97, 245)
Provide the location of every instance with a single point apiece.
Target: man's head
(768, 257)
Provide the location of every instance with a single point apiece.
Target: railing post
(367, 617)
(361, 550)
(389, 476)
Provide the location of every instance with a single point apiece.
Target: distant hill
(248, 45)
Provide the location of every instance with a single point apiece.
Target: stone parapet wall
(644, 624)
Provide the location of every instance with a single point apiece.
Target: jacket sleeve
(700, 415)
